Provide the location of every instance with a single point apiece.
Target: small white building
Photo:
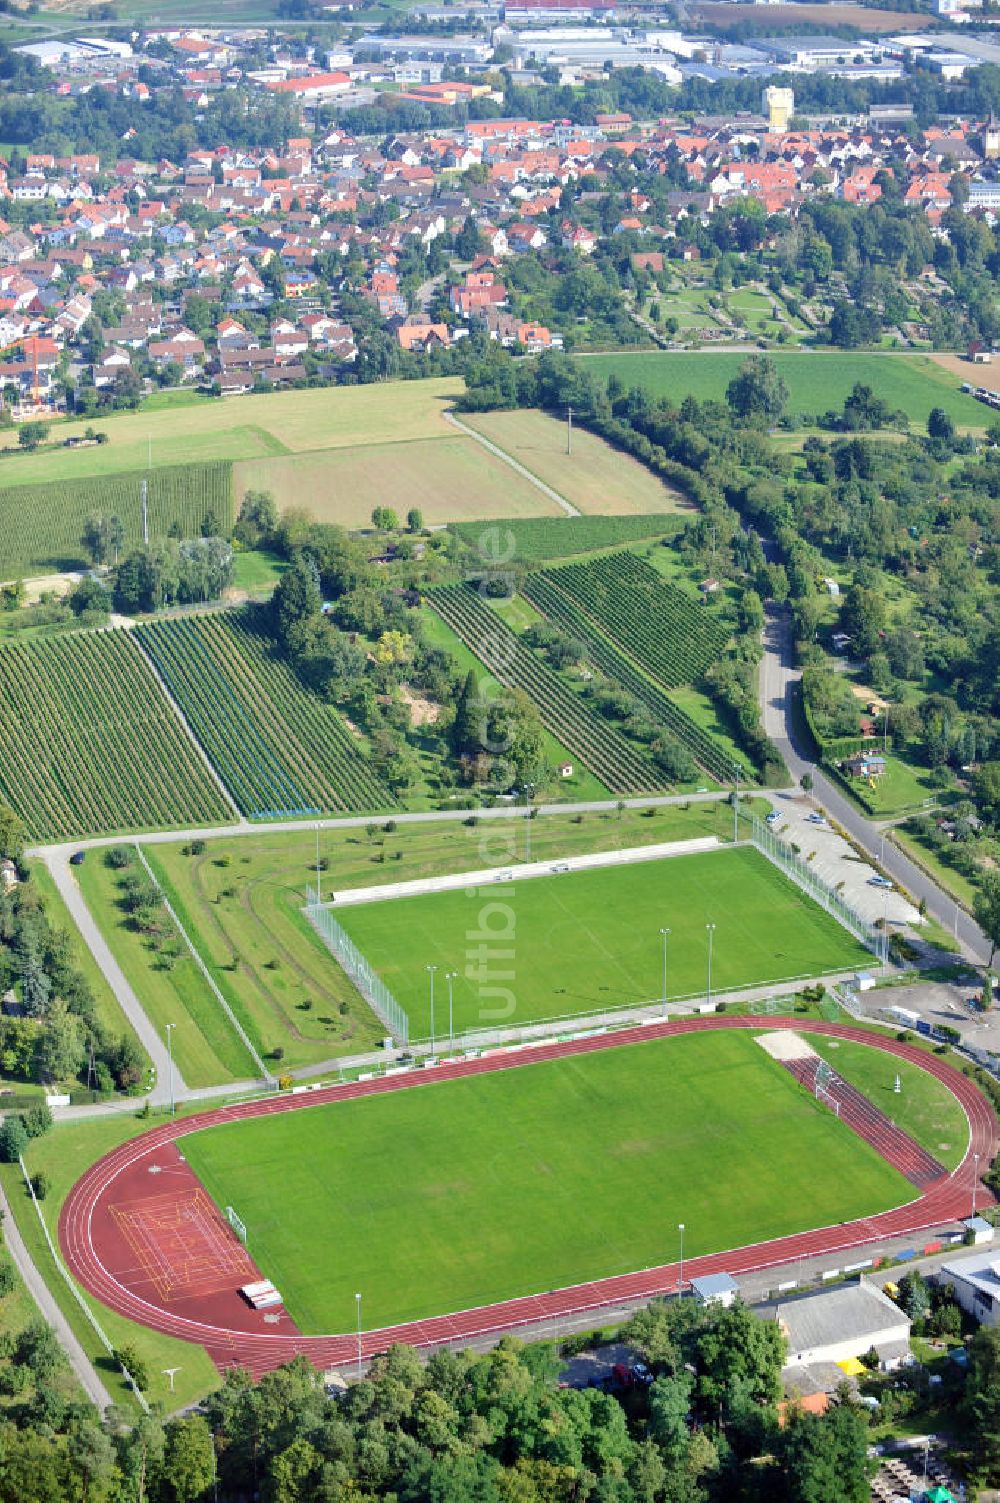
(715, 1289)
(980, 1229)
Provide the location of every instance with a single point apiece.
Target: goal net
(238, 1226)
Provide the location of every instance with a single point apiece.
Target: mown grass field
(585, 941)
(594, 478)
(816, 380)
(241, 901)
(241, 428)
(63, 1155)
(542, 540)
(924, 1108)
(537, 1178)
(448, 479)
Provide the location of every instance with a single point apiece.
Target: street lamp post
(357, 1299)
(170, 1058)
(431, 969)
(711, 932)
(665, 933)
(449, 976)
(680, 1280)
(529, 789)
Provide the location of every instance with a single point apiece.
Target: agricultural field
(567, 615)
(595, 478)
(924, 1107)
(816, 381)
(541, 540)
(41, 525)
(239, 428)
(598, 1158)
(587, 941)
(667, 631)
(280, 750)
(241, 897)
(89, 744)
(619, 765)
(446, 478)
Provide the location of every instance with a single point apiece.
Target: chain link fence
(792, 866)
(371, 986)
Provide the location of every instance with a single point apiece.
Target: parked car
(773, 817)
(78, 858)
(878, 881)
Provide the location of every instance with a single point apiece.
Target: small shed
(980, 1229)
(715, 1289)
(565, 769)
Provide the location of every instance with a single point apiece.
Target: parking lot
(836, 861)
(939, 1002)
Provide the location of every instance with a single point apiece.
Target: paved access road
(39, 1291)
(778, 678)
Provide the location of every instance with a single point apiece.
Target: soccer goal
(238, 1226)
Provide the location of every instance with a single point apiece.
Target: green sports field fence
(791, 865)
(371, 986)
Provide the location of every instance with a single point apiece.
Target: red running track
(92, 1253)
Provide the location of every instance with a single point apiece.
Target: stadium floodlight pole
(449, 976)
(711, 932)
(357, 1299)
(431, 969)
(529, 789)
(975, 1180)
(319, 895)
(680, 1280)
(665, 933)
(170, 1057)
(736, 804)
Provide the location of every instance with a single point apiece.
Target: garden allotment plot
(463, 1192)
(585, 941)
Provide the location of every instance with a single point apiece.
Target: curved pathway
(85, 1210)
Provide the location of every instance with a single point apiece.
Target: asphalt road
(39, 1291)
(777, 680)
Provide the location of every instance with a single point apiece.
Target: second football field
(584, 941)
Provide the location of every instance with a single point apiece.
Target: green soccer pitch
(590, 940)
(459, 1193)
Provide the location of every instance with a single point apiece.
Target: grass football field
(460, 1193)
(816, 380)
(584, 941)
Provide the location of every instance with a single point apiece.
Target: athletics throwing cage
(371, 986)
(791, 865)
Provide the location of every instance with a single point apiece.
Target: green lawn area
(257, 571)
(241, 900)
(206, 1047)
(63, 1154)
(589, 940)
(816, 380)
(106, 1003)
(456, 1194)
(242, 428)
(924, 1108)
(945, 876)
(901, 787)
